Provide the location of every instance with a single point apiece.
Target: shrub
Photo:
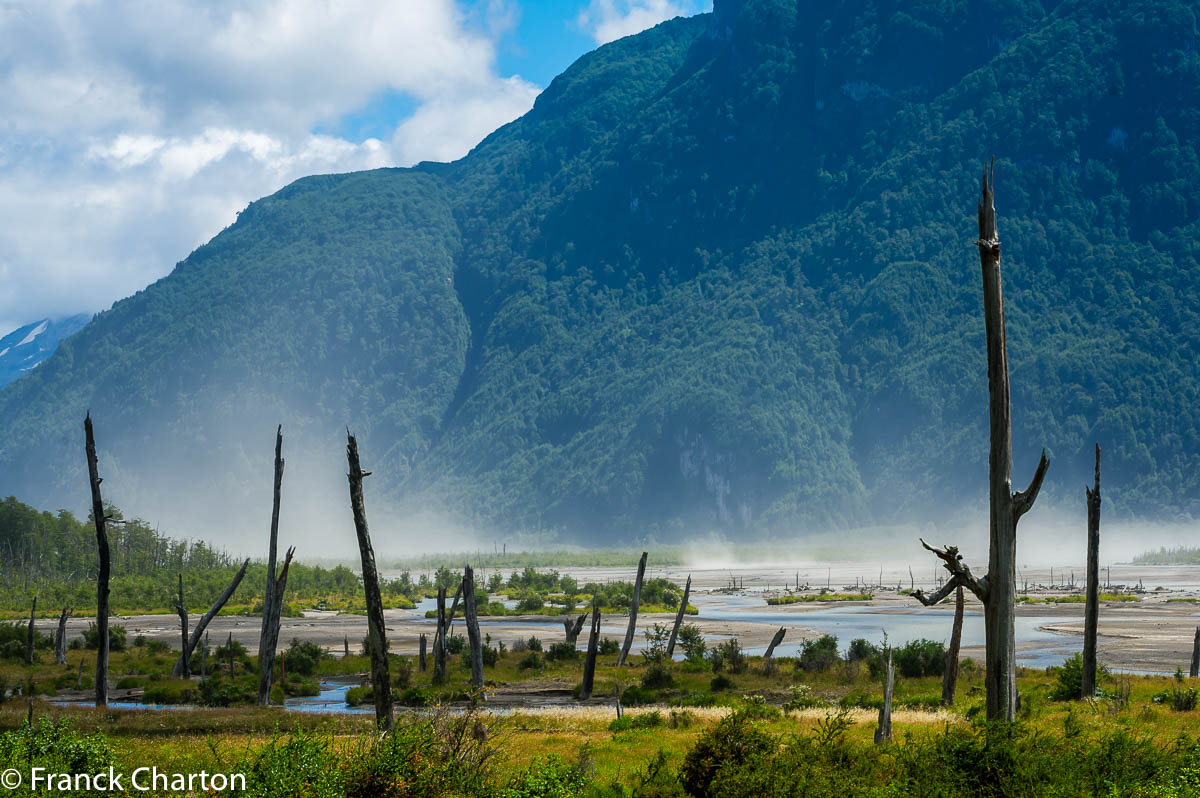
(819, 654)
(802, 698)
(861, 649)
(356, 696)
(646, 720)
(720, 682)
(400, 670)
(302, 657)
(920, 658)
(728, 655)
(530, 604)
(116, 637)
(413, 697)
(57, 747)
(657, 676)
(533, 643)
(547, 778)
(692, 640)
(609, 646)
(562, 651)
(731, 743)
(637, 696)
(1068, 679)
(455, 644)
(657, 638)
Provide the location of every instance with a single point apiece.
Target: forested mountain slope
(719, 278)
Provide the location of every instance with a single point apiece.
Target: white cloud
(131, 132)
(609, 20)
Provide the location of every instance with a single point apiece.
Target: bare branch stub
(960, 573)
(1023, 499)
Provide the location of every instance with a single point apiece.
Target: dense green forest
(719, 278)
(54, 557)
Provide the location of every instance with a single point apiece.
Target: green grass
(799, 599)
(1073, 598)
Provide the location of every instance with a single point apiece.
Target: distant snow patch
(34, 333)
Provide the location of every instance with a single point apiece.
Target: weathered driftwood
(266, 651)
(381, 683)
(439, 649)
(473, 639)
(421, 653)
(181, 610)
(997, 589)
(1091, 610)
(60, 638)
(102, 576)
(687, 592)
(883, 732)
(29, 633)
(633, 611)
(194, 638)
(950, 674)
(589, 663)
(776, 640)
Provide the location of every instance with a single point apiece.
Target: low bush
(531, 661)
(818, 655)
(116, 637)
(562, 651)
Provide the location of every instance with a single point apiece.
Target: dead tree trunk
(277, 603)
(997, 589)
(439, 639)
(381, 683)
(453, 609)
(194, 639)
(204, 658)
(102, 576)
(421, 653)
(573, 626)
(776, 640)
(473, 639)
(633, 611)
(29, 633)
(950, 676)
(1091, 612)
(60, 638)
(883, 734)
(229, 653)
(589, 664)
(266, 652)
(687, 592)
(1195, 672)
(185, 670)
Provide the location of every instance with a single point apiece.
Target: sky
(133, 131)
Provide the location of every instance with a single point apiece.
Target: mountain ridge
(718, 278)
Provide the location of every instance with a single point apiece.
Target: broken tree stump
(776, 640)
(421, 653)
(1195, 672)
(29, 633)
(633, 611)
(181, 609)
(439, 638)
(883, 732)
(473, 640)
(381, 683)
(687, 592)
(589, 664)
(194, 639)
(60, 638)
(266, 651)
(1091, 611)
(950, 675)
(102, 576)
